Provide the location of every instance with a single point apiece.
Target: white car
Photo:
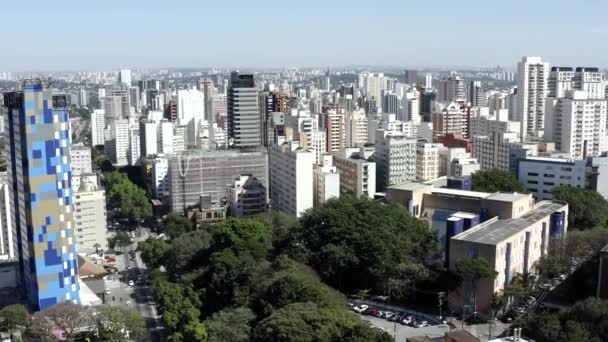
(422, 324)
(131, 283)
(361, 308)
(107, 291)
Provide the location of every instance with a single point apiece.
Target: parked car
(360, 308)
(374, 312)
(388, 315)
(131, 283)
(422, 324)
(406, 320)
(562, 277)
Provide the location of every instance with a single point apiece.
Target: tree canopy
(230, 325)
(127, 198)
(175, 225)
(585, 321)
(496, 180)
(13, 315)
(586, 208)
(356, 243)
(121, 239)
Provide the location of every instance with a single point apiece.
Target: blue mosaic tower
(41, 198)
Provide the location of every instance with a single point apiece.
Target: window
(549, 183)
(546, 175)
(533, 174)
(532, 182)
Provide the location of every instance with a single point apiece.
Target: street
(139, 296)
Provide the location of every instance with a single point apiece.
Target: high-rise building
(577, 124)
(333, 124)
(90, 215)
(160, 179)
(450, 89)
(532, 77)
(149, 137)
(476, 94)
(205, 85)
(356, 129)
(326, 180)
(124, 77)
(117, 142)
(116, 103)
(502, 151)
(41, 204)
(411, 107)
(395, 158)
(560, 80)
(428, 82)
(563, 79)
(453, 117)
(291, 178)
(390, 103)
(244, 127)
(357, 174)
(80, 158)
(410, 76)
(372, 85)
(195, 173)
(134, 152)
(427, 160)
(83, 98)
(98, 124)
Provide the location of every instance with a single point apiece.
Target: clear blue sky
(86, 34)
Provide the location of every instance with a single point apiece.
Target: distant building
(7, 238)
(160, 179)
(80, 158)
(357, 174)
(395, 159)
(451, 89)
(532, 77)
(247, 197)
(244, 123)
(453, 117)
(501, 151)
(427, 160)
(98, 124)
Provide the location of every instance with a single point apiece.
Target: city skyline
(109, 35)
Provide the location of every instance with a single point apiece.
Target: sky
(40, 35)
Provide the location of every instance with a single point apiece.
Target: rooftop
(507, 197)
(412, 186)
(461, 193)
(495, 231)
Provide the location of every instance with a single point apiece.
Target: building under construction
(194, 173)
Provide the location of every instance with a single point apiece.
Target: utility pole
(441, 295)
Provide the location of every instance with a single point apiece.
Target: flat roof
(463, 193)
(549, 159)
(412, 186)
(495, 231)
(507, 197)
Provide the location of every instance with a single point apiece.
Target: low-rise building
(90, 215)
(357, 173)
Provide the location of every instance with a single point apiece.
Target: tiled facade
(40, 175)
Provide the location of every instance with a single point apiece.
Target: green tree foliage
(130, 200)
(175, 225)
(187, 252)
(585, 321)
(104, 164)
(179, 305)
(357, 243)
(287, 282)
(153, 252)
(121, 239)
(471, 268)
(230, 325)
(495, 180)
(303, 322)
(114, 321)
(587, 208)
(66, 318)
(14, 315)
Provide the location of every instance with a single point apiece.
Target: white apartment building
(134, 144)
(486, 125)
(333, 124)
(160, 178)
(357, 174)
(411, 107)
(501, 151)
(326, 181)
(98, 124)
(563, 79)
(165, 137)
(117, 142)
(180, 135)
(427, 160)
(395, 159)
(7, 240)
(532, 88)
(246, 197)
(291, 178)
(372, 85)
(577, 124)
(149, 138)
(90, 215)
(80, 159)
(356, 129)
(542, 175)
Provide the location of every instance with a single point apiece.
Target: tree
(65, 319)
(104, 164)
(356, 243)
(121, 239)
(587, 208)
(153, 252)
(187, 252)
(128, 198)
(474, 269)
(496, 180)
(303, 322)
(230, 325)
(175, 225)
(14, 315)
(117, 323)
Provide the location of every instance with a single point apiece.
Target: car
(531, 300)
(128, 267)
(382, 314)
(128, 302)
(361, 308)
(374, 312)
(406, 320)
(110, 260)
(388, 315)
(562, 277)
(422, 324)
(131, 283)
(108, 291)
